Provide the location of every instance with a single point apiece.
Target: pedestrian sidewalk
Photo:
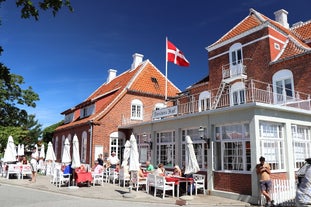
(113, 192)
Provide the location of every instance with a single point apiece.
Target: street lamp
(202, 135)
(147, 140)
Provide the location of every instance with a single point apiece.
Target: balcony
(255, 91)
(232, 72)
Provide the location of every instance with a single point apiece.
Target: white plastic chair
(62, 178)
(141, 182)
(199, 182)
(151, 181)
(113, 175)
(13, 169)
(98, 178)
(161, 184)
(124, 177)
(26, 170)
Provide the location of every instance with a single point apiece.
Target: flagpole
(165, 70)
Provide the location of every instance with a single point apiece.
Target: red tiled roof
(303, 31)
(145, 79)
(299, 36)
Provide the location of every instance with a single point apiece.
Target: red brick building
(126, 98)
(255, 102)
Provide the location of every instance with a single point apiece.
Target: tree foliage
(14, 119)
(48, 132)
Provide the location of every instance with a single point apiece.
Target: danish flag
(175, 55)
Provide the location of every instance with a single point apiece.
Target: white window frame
(237, 94)
(166, 148)
(232, 147)
(136, 110)
(236, 59)
(204, 101)
(272, 144)
(301, 144)
(199, 145)
(283, 86)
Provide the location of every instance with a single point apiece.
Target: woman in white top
(34, 163)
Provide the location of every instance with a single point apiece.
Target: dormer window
(136, 109)
(68, 118)
(87, 111)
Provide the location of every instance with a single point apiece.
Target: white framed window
(233, 150)
(236, 59)
(283, 86)
(272, 146)
(166, 148)
(301, 144)
(117, 140)
(84, 146)
(237, 93)
(199, 145)
(144, 145)
(204, 101)
(136, 109)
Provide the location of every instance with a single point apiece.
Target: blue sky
(67, 57)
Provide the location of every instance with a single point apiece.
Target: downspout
(91, 141)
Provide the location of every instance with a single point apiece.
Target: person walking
(34, 164)
(263, 171)
(303, 193)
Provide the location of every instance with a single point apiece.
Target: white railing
(255, 91)
(283, 192)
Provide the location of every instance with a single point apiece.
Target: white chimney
(111, 75)
(137, 59)
(281, 17)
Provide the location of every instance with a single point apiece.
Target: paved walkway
(113, 192)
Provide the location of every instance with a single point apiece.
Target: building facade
(255, 102)
(128, 97)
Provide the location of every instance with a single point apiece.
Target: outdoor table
(178, 180)
(82, 176)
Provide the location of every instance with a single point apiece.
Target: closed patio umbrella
(10, 151)
(192, 165)
(75, 153)
(134, 156)
(42, 152)
(126, 153)
(50, 155)
(66, 158)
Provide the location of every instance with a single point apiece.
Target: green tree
(14, 119)
(48, 132)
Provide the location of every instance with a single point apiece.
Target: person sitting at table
(98, 169)
(149, 167)
(113, 160)
(141, 174)
(160, 170)
(177, 171)
(24, 160)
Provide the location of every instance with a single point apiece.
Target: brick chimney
(111, 75)
(281, 17)
(137, 59)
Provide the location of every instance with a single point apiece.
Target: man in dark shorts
(263, 172)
